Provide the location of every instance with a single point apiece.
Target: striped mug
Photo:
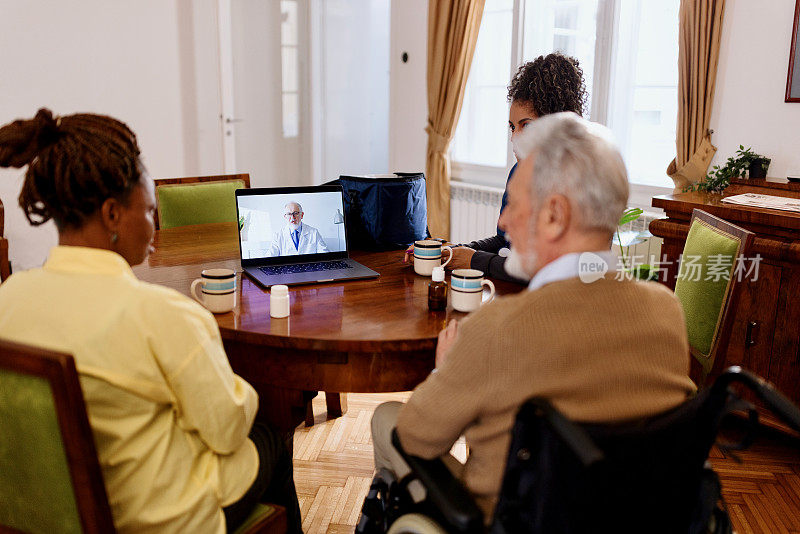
(217, 290)
(466, 289)
(428, 254)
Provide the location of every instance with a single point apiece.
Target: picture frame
(793, 78)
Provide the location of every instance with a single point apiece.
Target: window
(289, 69)
(643, 100)
(628, 50)
(483, 140)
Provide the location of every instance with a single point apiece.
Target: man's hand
(462, 258)
(447, 338)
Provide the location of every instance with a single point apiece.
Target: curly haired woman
(548, 84)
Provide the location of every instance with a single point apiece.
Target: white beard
(293, 226)
(518, 265)
(515, 264)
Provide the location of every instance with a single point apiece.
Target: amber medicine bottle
(437, 290)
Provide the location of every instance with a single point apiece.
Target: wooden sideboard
(766, 332)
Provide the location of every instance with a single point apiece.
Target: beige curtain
(452, 33)
(699, 36)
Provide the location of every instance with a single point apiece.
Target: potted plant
(643, 271)
(758, 167)
(746, 163)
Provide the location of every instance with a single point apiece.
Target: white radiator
(473, 211)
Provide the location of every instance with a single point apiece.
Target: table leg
(336, 404)
(309, 414)
(282, 409)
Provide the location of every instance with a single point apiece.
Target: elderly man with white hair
(600, 347)
(296, 237)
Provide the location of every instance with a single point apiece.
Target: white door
(350, 69)
(264, 77)
(279, 126)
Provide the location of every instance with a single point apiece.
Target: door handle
(229, 120)
(749, 339)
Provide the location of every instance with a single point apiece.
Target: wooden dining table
(366, 336)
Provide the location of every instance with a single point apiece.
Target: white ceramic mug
(428, 254)
(466, 289)
(217, 290)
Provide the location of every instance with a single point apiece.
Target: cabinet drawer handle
(749, 340)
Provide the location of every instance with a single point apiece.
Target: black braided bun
(74, 164)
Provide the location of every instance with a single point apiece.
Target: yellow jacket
(169, 416)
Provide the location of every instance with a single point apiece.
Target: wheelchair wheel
(415, 524)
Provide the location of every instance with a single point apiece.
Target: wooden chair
(708, 287)
(5, 266)
(197, 199)
(50, 479)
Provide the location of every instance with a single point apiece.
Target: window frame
(607, 22)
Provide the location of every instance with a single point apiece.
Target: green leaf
(630, 215)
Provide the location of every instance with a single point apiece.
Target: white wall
(151, 63)
(154, 64)
(751, 81)
(408, 109)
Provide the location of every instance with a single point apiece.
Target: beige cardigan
(604, 351)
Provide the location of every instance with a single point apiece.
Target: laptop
(295, 235)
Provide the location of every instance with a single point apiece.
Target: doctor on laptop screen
(296, 237)
(278, 225)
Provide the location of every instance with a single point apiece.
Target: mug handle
(193, 290)
(450, 250)
(489, 283)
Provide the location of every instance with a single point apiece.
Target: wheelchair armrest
(774, 399)
(445, 492)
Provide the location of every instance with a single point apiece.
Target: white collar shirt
(568, 266)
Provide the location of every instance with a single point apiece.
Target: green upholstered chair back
(264, 519)
(50, 480)
(198, 200)
(707, 284)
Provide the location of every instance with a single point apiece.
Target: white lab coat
(311, 242)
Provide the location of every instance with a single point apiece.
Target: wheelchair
(646, 476)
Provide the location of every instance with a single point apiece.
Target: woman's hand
(447, 338)
(409, 255)
(462, 259)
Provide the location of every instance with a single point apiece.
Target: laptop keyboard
(305, 267)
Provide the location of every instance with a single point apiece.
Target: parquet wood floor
(333, 464)
(333, 470)
(763, 491)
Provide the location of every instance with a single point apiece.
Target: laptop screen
(278, 225)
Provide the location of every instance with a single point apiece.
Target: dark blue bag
(385, 211)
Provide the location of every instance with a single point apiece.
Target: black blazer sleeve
(493, 266)
(490, 244)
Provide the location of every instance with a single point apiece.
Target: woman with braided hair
(172, 423)
(548, 84)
